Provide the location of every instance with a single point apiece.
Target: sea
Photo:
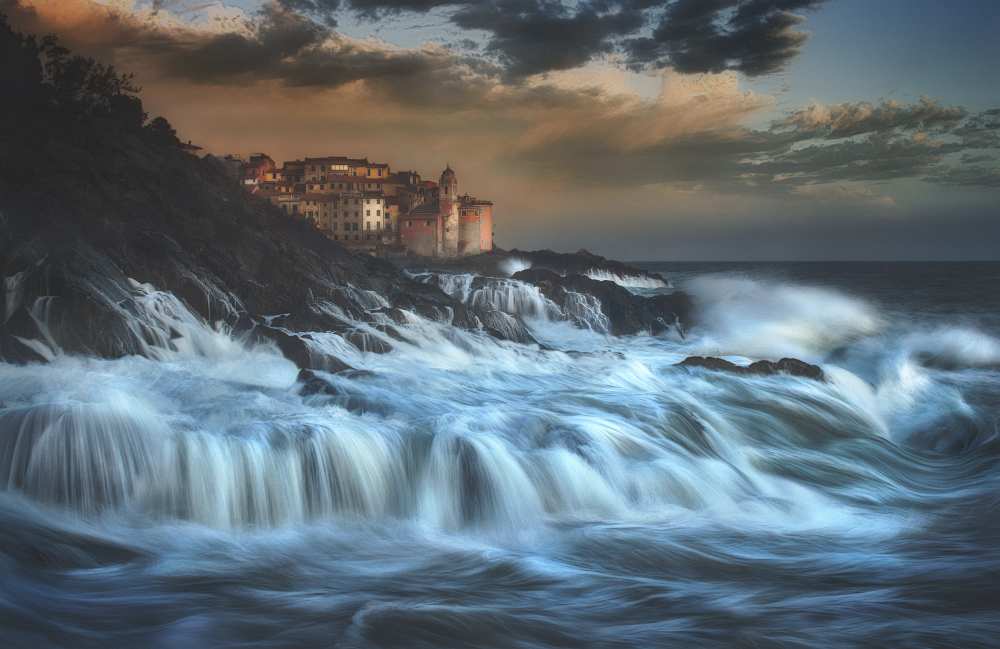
(587, 491)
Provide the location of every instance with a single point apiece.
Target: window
(369, 225)
(378, 212)
(368, 212)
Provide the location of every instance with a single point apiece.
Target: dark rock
(494, 263)
(19, 327)
(791, 366)
(313, 384)
(627, 312)
(506, 327)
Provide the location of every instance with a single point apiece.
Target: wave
(954, 348)
(489, 296)
(768, 319)
(628, 281)
(452, 429)
(513, 265)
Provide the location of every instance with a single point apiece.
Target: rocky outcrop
(498, 263)
(627, 313)
(94, 207)
(791, 366)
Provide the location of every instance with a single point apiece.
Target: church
(446, 223)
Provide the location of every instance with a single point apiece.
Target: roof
(424, 210)
(337, 158)
(339, 178)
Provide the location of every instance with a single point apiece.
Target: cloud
(530, 37)
(754, 37)
(846, 120)
(582, 126)
(535, 36)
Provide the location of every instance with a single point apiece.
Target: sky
(638, 129)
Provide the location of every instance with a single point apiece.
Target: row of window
(347, 201)
(347, 186)
(356, 237)
(335, 214)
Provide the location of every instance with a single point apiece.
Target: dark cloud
(535, 36)
(754, 37)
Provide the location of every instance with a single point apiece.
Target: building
(254, 170)
(446, 223)
(366, 205)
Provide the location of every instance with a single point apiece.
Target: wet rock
(627, 312)
(18, 328)
(496, 263)
(791, 366)
(312, 384)
(506, 327)
(296, 349)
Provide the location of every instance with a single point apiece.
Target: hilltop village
(368, 207)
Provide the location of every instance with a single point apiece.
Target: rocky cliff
(100, 209)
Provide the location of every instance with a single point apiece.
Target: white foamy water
(586, 476)
(628, 281)
(512, 265)
(453, 428)
(767, 319)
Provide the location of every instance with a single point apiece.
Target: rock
(18, 328)
(313, 384)
(506, 327)
(627, 312)
(296, 349)
(496, 263)
(791, 366)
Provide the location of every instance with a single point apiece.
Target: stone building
(446, 223)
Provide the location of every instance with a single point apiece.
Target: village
(371, 208)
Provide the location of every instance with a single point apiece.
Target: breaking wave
(513, 265)
(954, 348)
(628, 281)
(767, 319)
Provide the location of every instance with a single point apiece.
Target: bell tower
(448, 218)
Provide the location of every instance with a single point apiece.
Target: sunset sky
(640, 129)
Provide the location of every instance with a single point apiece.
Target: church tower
(448, 216)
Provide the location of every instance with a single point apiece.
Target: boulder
(790, 366)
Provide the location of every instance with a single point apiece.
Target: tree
(161, 131)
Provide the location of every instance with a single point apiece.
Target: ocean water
(469, 492)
